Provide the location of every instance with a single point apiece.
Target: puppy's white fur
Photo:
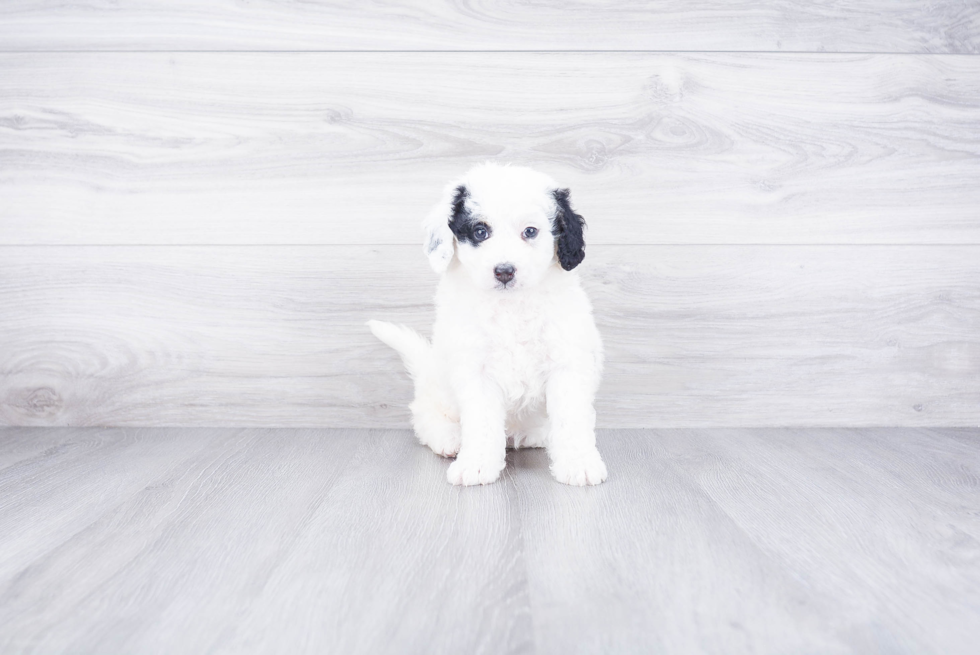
(511, 361)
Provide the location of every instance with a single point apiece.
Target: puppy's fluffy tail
(415, 350)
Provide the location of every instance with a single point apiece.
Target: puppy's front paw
(579, 469)
(468, 470)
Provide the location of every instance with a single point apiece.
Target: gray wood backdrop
(201, 204)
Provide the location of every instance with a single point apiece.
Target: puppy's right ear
(440, 244)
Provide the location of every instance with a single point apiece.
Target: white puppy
(515, 354)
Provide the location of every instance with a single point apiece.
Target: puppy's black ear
(567, 228)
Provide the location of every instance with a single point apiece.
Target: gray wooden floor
(292, 541)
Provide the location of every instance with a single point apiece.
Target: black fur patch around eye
(461, 222)
(567, 229)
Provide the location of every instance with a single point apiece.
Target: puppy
(515, 356)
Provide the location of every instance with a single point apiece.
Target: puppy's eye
(530, 232)
(481, 232)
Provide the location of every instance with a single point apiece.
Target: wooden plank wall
(200, 206)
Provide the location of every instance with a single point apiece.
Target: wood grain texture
(312, 541)
(771, 25)
(277, 542)
(780, 540)
(695, 335)
(845, 511)
(654, 561)
(332, 148)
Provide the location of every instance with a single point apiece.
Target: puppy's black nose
(504, 272)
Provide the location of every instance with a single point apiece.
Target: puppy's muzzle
(504, 272)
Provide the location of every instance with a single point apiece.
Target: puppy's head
(506, 226)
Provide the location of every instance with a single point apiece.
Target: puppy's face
(507, 227)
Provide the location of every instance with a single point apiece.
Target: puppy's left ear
(567, 228)
(439, 243)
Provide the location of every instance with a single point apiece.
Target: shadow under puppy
(515, 355)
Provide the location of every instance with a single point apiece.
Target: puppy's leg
(483, 443)
(571, 441)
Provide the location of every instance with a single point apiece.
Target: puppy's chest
(517, 355)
